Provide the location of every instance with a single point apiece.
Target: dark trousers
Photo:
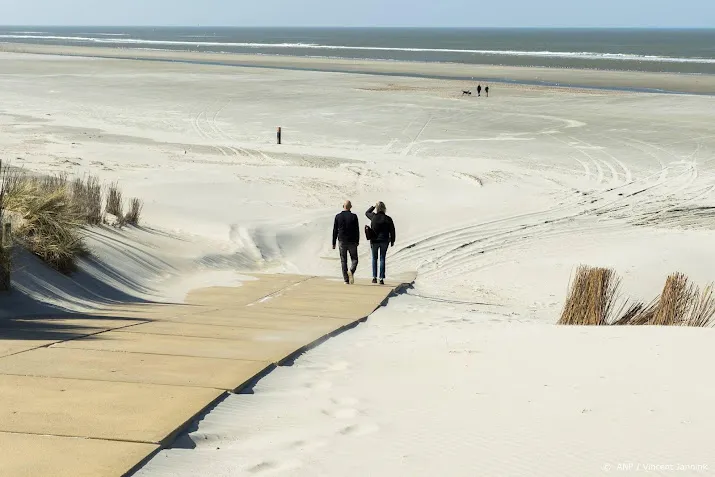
(345, 248)
(380, 247)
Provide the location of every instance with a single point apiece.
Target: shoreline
(631, 81)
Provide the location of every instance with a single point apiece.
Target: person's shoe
(347, 282)
(374, 280)
(382, 282)
(351, 277)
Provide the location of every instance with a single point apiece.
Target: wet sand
(667, 82)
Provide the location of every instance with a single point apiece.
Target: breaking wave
(586, 55)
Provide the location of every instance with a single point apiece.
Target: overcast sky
(435, 13)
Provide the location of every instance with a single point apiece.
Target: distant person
(346, 230)
(486, 90)
(383, 233)
(479, 90)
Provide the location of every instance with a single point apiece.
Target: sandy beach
(496, 201)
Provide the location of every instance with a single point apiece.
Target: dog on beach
(467, 92)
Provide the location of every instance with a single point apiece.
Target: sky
(400, 13)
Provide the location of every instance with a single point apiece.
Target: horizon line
(370, 26)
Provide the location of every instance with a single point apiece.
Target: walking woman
(383, 235)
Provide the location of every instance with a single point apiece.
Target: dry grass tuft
(87, 196)
(114, 200)
(676, 301)
(592, 297)
(55, 182)
(594, 292)
(49, 221)
(637, 314)
(49, 214)
(135, 209)
(703, 310)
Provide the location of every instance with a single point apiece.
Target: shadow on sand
(40, 295)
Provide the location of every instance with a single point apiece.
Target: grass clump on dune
(114, 200)
(49, 214)
(135, 209)
(115, 207)
(87, 195)
(594, 292)
(676, 301)
(638, 314)
(591, 297)
(703, 312)
(48, 220)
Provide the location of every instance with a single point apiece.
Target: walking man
(346, 231)
(486, 90)
(479, 90)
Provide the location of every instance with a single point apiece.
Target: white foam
(584, 55)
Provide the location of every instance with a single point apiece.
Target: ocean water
(682, 51)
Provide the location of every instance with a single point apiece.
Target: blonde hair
(380, 207)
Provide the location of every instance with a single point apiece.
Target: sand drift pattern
(665, 190)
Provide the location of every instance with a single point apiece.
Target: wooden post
(5, 253)
(279, 135)
(6, 235)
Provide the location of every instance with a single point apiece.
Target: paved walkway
(98, 395)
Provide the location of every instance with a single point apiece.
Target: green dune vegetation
(50, 214)
(594, 299)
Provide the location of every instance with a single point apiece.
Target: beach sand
(496, 201)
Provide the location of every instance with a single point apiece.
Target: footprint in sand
(346, 408)
(319, 386)
(271, 467)
(345, 413)
(346, 402)
(309, 445)
(359, 430)
(339, 366)
(325, 368)
(262, 467)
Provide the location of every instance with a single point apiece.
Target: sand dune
(496, 201)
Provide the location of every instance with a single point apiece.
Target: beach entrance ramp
(100, 394)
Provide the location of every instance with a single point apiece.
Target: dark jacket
(382, 226)
(346, 228)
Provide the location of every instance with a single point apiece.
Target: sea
(689, 51)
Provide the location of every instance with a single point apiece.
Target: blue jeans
(382, 248)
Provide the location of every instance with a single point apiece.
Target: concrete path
(98, 395)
